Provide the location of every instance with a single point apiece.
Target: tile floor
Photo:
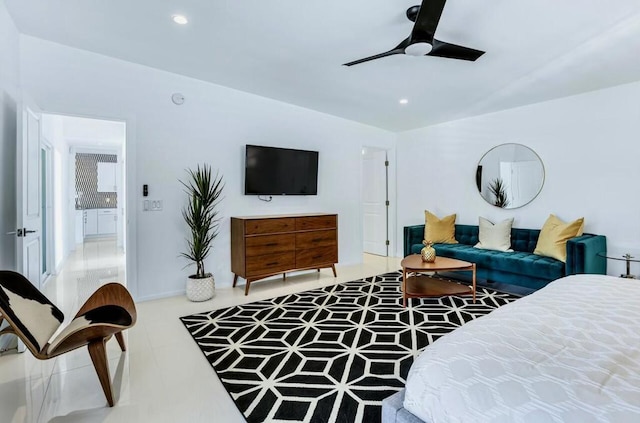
(163, 377)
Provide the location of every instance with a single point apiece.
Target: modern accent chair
(34, 319)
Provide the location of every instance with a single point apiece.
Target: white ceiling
(293, 50)
(92, 132)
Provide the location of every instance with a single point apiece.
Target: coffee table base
(414, 267)
(427, 286)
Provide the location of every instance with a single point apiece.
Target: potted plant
(201, 215)
(499, 191)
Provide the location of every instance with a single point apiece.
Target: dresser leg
(333, 267)
(246, 287)
(284, 276)
(235, 280)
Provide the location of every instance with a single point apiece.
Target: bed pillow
(554, 235)
(494, 236)
(440, 231)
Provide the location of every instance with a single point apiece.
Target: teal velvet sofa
(521, 267)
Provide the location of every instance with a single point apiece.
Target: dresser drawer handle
(317, 257)
(271, 244)
(316, 240)
(272, 263)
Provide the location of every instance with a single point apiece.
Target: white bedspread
(567, 353)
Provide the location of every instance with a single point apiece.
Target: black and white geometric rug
(330, 354)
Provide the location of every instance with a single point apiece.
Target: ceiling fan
(421, 41)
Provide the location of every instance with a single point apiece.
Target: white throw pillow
(494, 236)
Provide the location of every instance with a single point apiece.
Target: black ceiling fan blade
(377, 56)
(453, 51)
(427, 20)
(399, 49)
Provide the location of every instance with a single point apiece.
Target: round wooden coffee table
(415, 285)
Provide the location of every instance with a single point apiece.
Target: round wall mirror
(510, 176)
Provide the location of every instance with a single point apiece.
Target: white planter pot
(200, 289)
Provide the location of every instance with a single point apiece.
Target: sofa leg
(98, 353)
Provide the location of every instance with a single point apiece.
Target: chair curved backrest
(34, 318)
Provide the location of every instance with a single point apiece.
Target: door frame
(390, 194)
(46, 146)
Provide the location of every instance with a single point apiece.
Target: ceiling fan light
(418, 49)
(180, 19)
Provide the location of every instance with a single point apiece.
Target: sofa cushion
(554, 236)
(467, 234)
(439, 230)
(524, 240)
(519, 263)
(494, 236)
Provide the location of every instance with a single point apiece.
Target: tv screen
(280, 171)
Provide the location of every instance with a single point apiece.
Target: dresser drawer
(269, 226)
(314, 239)
(315, 256)
(268, 244)
(270, 263)
(316, 222)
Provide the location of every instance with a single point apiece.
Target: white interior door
(522, 181)
(29, 209)
(374, 201)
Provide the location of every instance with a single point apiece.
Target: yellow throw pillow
(554, 235)
(439, 230)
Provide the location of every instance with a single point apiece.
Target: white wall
(212, 126)
(590, 147)
(9, 96)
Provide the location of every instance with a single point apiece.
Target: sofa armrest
(582, 255)
(412, 235)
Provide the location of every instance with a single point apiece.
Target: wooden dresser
(263, 246)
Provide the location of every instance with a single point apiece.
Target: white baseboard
(177, 293)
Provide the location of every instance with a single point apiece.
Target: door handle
(26, 231)
(18, 232)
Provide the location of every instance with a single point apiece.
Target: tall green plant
(201, 214)
(499, 191)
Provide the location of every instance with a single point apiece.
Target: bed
(569, 352)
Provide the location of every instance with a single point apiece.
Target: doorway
(375, 201)
(88, 198)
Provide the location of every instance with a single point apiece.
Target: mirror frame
(478, 175)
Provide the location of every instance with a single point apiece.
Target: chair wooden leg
(120, 340)
(98, 353)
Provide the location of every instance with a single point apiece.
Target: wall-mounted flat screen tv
(280, 171)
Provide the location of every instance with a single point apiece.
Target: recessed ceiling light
(180, 19)
(403, 101)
